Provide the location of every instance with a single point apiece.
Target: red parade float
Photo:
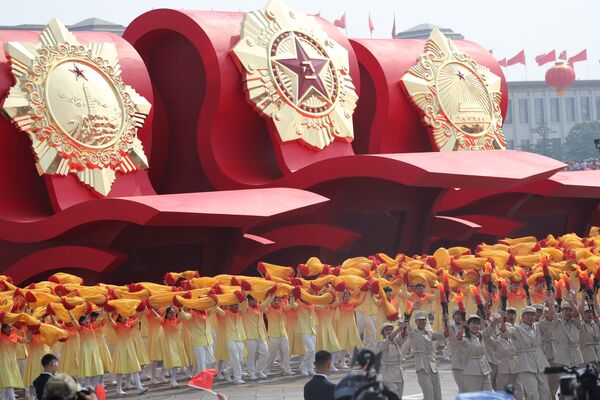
(224, 190)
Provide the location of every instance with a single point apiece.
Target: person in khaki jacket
(566, 328)
(392, 357)
(506, 354)
(422, 342)
(456, 359)
(476, 371)
(531, 360)
(589, 336)
(548, 345)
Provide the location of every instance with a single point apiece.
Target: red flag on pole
(502, 62)
(581, 56)
(546, 58)
(341, 22)
(518, 59)
(371, 27)
(563, 55)
(204, 380)
(394, 27)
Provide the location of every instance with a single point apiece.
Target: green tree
(579, 143)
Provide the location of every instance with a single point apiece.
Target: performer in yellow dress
(10, 377)
(155, 348)
(326, 335)
(98, 322)
(347, 329)
(36, 348)
(69, 353)
(90, 360)
(291, 321)
(174, 355)
(125, 361)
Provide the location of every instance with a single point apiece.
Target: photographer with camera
(391, 357)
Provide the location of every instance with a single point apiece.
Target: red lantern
(561, 76)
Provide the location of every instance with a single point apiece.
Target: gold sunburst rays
(458, 98)
(79, 114)
(296, 76)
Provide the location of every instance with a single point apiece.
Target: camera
(363, 384)
(578, 383)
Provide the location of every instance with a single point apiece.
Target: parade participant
(125, 361)
(201, 340)
(366, 315)
(456, 359)
(506, 355)
(10, 376)
(155, 348)
(90, 360)
(256, 338)
(517, 298)
(69, 352)
(307, 329)
(326, 335)
(36, 349)
(391, 298)
(141, 348)
(347, 330)
(422, 342)
(275, 310)
(531, 362)
(174, 355)
(98, 322)
(235, 337)
(392, 358)
(476, 371)
(589, 336)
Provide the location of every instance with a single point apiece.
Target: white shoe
(304, 373)
(175, 386)
(334, 369)
(120, 392)
(252, 378)
(261, 375)
(142, 390)
(238, 382)
(288, 373)
(344, 366)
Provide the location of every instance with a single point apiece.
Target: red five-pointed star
(78, 72)
(307, 71)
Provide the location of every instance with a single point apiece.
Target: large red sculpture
(222, 192)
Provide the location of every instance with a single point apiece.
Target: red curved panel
(63, 258)
(385, 117)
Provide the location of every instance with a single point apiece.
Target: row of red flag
(341, 22)
(544, 58)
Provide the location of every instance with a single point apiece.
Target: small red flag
(101, 392)
(371, 26)
(502, 62)
(581, 56)
(518, 59)
(546, 58)
(563, 55)
(341, 22)
(204, 380)
(394, 28)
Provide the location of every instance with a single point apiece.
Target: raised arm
(73, 320)
(264, 305)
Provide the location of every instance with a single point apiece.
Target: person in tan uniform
(392, 357)
(531, 361)
(422, 343)
(506, 354)
(548, 345)
(456, 359)
(589, 337)
(476, 371)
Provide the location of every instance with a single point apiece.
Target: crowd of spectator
(583, 165)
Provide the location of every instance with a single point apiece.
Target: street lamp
(597, 144)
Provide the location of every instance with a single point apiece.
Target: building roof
(538, 85)
(89, 24)
(423, 31)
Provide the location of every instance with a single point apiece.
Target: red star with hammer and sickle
(78, 72)
(307, 71)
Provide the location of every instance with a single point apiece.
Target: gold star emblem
(296, 76)
(80, 116)
(459, 99)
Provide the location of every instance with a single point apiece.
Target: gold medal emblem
(458, 98)
(80, 116)
(296, 75)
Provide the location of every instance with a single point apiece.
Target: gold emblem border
(55, 151)
(251, 53)
(420, 83)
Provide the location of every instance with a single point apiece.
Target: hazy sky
(505, 26)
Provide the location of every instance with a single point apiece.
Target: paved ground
(288, 388)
